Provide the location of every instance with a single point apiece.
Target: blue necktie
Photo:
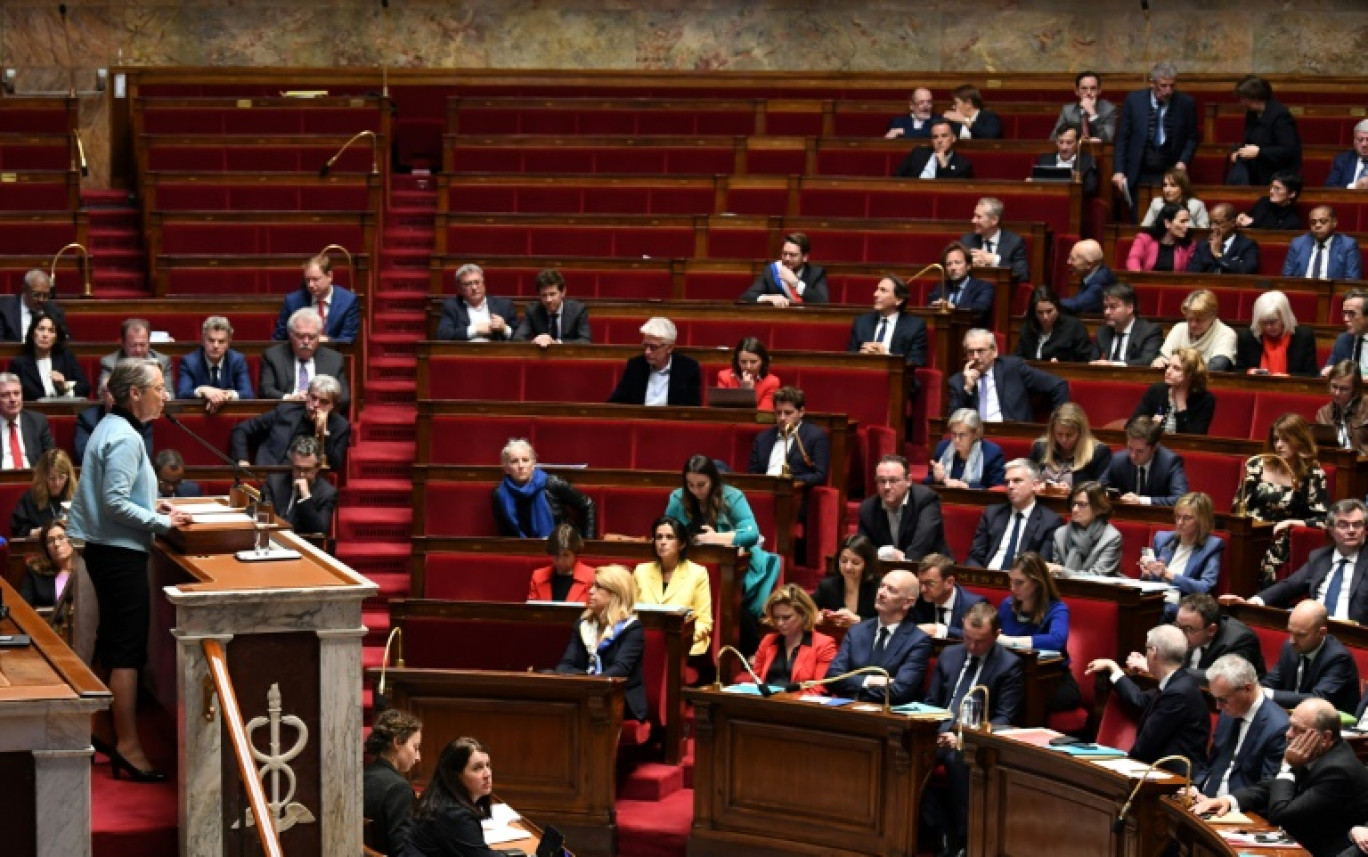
(883, 327)
(1332, 593)
(1012, 541)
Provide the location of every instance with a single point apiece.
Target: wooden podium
(780, 777)
(291, 631)
(47, 696)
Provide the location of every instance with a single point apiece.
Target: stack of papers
(498, 827)
(214, 513)
(1090, 751)
(1133, 769)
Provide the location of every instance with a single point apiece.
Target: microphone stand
(887, 690)
(1120, 823)
(936, 266)
(717, 685)
(375, 169)
(396, 633)
(85, 267)
(238, 485)
(986, 725)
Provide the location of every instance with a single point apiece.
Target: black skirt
(120, 579)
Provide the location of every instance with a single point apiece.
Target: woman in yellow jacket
(672, 579)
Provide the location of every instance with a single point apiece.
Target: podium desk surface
(46, 670)
(1203, 839)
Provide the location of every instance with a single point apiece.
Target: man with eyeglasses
(1350, 344)
(1226, 250)
(1335, 576)
(1211, 636)
(302, 496)
(273, 432)
(1000, 388)
(1250, 733)
(658, 376)
(474, 316)
(1323, 253)
(16, 311)
(287, 368)
(903, 520)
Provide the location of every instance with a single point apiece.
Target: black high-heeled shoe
(101, 747)
(137, 775)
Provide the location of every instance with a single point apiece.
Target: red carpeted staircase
(119, 262)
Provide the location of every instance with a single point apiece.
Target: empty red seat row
(44, 237)
(53, 195)
(231, 157)
(252, 238)
(205, 196)
(534, 157)
(35, 156)
(304, 119)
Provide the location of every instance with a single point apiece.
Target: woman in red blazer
(750, 370)
(566, 576)
(794, 652)
(1165, 245)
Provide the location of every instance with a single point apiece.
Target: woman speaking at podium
(116, 514)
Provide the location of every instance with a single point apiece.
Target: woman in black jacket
(1274, 344)
(1068, 454)
(446, 822)
(46, 367)
(1277, 210)
(1051, 335)
(529, 502)
(388, 799)
(608, 639)
(1180, 401)
(1271, 143)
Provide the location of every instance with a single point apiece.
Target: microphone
(1120, 823)
(887, 689)
(764, 688)
(238, 469)
(327, 168)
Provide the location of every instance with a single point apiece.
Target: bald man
(1225, 251)
(1312, 663)
(892, 641)
(1085, 262)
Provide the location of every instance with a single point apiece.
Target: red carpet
(133, 819)
(655, 828)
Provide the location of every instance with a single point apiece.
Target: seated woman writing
(793, 652)
(1068, 454)
(1346, 411)
(566, 578)
(54, 483)
(1202, 329)
(608, 640)
(529, 502)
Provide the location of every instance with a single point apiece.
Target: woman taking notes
(446, 822)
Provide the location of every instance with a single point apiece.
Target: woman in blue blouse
(1189, 556)
(718, 514)
(965, 459)
(1034, 616)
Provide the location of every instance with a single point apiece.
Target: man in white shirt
(474, 316)
(1350, 169)
(1350, 344)
(1250, 733)
(991, 246)
(790, 280)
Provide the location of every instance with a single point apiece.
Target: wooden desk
(1197, 838)
(1030, 801)
(781, 777)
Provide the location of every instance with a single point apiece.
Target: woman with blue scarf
(608, 639)
(718, 514)
(529, 502)
(965, 459)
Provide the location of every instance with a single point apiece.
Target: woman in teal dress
(718, 514)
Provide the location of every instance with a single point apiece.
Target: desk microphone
(1120, 823)
(764, 688)
(887, 688)
(238, 469)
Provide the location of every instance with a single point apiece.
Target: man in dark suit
(960, 290)
(1172, 719)
(25, 435)
(1320, 791)
(1323, 253)
(943, 603)
(917, 122)
(1335, 576)
(288, 368)
(337, 306)
(1312, 663)
(659, 376)
(888, 330)
(971, 120)
(980, 661)
(792, 279)
(1226, 250)
(1349, 345)
(990, 246)
(1006, 394)
(273, 432)
(1158, 131)
(1150, 473)
(1350, 169)
(1021, 524)
(554, 318)
(1066, 155)
(16, 311)
(474, 316)
(1211, 636)
(888, 641)
(302, 496)
(803, 446)
(171, 481)
(214, 372)
(1126, 339)
(1085, 261)
(135, 338)
(938, 160)
(903, 520)
(1251, 733)
(1092, 113)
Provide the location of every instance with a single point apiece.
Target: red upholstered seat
(960, 524)
(1304, 541)
(1269, 406)
(1117, 727)
(478, 577)
(1216, 474)
(1270, 641)
(1135, 535)
(458, 509)
(1234, 413)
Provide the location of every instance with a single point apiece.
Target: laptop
(552, 843)
(1051, 174)
(725, 397)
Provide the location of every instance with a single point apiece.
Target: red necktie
(323, 312)
(16, 451)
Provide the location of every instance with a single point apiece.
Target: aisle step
(411, 219)
(410, 322)
(411, 257)
(391, 368)
(651, 781)
(406, 301)
(383, 460)
(374, 522)
(377, 492)
(392, 344)
(382, 562)
(102, 240)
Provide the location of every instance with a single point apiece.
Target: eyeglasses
(53, 541)
(1080, 504)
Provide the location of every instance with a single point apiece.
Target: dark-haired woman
(387, 803)
(750, 371)
(847, 597)
(672, 579)
(446, 822)
(1165, 245)
(1277, 210)
(1048, 334)
(46, 367)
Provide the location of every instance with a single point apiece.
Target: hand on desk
(1216, 806)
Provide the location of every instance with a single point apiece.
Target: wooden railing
(242, 749)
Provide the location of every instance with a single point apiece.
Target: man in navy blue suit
(1085, 261)
(1158, 131)
(1019, 525)
(791, 279)
(16, 311)
(214, 372)
(1323, 253)
(171, 481)
(1150, 473)
(1349, 345)
(1000, 388)
(943, 603)
(961, 290)
(1250, 733)
(1225, 251)
(991, 246)
(980, 661)
(474, 316)
(1350, 169)
(1312, 663)
(803, 446)
(888, 330)
(889, 641)
(917, 122)
(938, 160)
(337, 306)
(1172, 718)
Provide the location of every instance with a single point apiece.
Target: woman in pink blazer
(794, 653)
(1164, 245)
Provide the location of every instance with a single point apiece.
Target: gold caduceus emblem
(275, 764)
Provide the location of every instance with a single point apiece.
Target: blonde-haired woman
(1203, 330)
(1188, 556)
(1274, 344)
(608, 639)
(1285, 485)
(794, 652)
(54, 483)
(1068, 454)
(1181, 401)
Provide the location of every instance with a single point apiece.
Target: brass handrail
(237, 733)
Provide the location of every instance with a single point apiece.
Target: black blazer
(1165, 481)
(912, 166)
(1015, 382)
(1172, 721)
(1037, 535)
(814, 288)
(1301, 352)
(1241, 258)
(1001, 673)
(976, 295)
(574, 323)
(1260, 757)
(1201, 407)
(1088, 300)
(1275, 133)
(1011, 251)
(987, 126)
(1094, 470)
(924, 612)
(830, 595)
(686, 382)
(621, 659)
(36, 432)
(1069, 343)
(815, 442)
(388, 803)
(1146, 338)
(1333, 677)
(64, 361)
(909, 336)
(309, 516)
(455, 318)
(272, 432)
(906, 658)
(1181, 133)
(1266, 215)
(11, 319)
(1232, 638)
(1087, 169)
(28, 515)
(1319, 804)
(1305, 581)
(920, 531)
